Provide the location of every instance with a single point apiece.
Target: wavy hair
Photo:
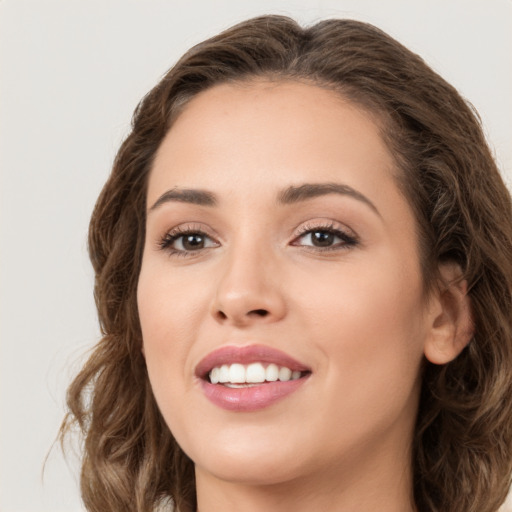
(462, 446)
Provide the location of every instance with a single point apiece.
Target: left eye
(325, 238)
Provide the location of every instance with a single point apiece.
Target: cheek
(168, 306)
(369, 326)
(363, 296)
(169, 315)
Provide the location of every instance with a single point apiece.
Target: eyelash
(348, 240)
(167, 241)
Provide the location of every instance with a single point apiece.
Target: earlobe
(451, 322)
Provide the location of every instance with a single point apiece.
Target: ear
(450, 317)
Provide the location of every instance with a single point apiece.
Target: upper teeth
(251, 374)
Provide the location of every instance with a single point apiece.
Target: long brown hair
(462, 451)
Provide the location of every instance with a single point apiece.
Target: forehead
(280, 133)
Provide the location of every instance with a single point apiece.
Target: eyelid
(163, 242)
(349, 237)
(323, 224)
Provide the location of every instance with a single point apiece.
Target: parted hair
(462, 446)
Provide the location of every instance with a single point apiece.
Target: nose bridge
(248, 290)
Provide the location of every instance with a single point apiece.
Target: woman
(303, 278)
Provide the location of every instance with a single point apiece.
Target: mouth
(249, 378)
(238, 375)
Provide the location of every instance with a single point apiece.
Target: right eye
(186, 242)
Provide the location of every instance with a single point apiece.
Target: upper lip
(245, 355)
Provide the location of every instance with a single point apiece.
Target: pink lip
(252, 398)
(247, 355)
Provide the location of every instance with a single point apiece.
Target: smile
(255, 373)
(249, 378)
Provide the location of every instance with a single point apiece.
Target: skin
(355, 314)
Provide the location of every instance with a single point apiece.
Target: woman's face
(279, 246)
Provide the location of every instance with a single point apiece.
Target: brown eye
(192, 242)
(322, 238)
(325, 239)
(187, 242)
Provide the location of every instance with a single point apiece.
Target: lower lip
(252, 398)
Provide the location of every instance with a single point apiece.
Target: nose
(249, 290)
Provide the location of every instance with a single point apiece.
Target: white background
(71, 73)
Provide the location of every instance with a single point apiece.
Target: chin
(256, 471)
(247, 459)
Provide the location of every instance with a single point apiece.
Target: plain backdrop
(71, 73)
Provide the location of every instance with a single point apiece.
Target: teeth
(254, 373)
(284, 374)
(272, 372)
(224, 373)
(237, 373)
(214, 375)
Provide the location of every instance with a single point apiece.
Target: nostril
(221, 315)
(259, 312)
(240, 316)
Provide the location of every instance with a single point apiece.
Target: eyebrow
(307, 191)
(290, 195)
(186, 195)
